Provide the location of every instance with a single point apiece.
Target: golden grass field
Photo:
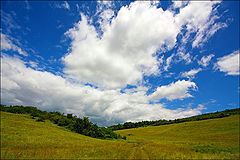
(24, 138)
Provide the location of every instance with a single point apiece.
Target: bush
(40, 119)
(69, 116)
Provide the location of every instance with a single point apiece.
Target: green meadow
(206, 139)
(24, 138)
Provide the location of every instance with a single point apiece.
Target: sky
(118, 61)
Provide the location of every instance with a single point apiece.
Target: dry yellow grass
(24, 138)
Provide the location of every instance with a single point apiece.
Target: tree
(69, 116)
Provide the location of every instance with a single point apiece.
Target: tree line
(217, 114)
(70, 121)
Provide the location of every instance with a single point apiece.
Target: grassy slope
(212, 139)
(22, 137)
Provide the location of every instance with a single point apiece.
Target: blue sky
(119, 61)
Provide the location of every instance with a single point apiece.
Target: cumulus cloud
(177, 90)
(122, 55)
(191, 74)
(205, 60)
(7, 44)
(23, 85)
(229, 64)
(126, 52)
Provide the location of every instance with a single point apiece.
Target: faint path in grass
(138, 153)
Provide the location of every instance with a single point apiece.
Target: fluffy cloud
(126, 51)
(190, 74)
(177, 90)
(205, 60)
(229, 64)
(7, 44)
(23, 85)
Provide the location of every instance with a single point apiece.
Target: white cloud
(7, 44)
(229, 64)
(201, 106)
(191, 74)
(195, 14)
(25, 86)
(177, 90)
(105, 18)
(184, 56)
(33, 64)
(199, 18)
(168, 62)
(206, 32)
(64, 5)
(205, 60)
(102, 4)
(8, 20)
(179, 4)
(125, 52)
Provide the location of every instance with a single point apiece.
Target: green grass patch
(24, 138)
(211, 149)
(206, 139)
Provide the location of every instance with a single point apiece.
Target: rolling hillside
(208, 139)
(23, 137)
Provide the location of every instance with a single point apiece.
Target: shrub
(40, 119)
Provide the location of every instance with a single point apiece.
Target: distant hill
(24, 138)
(213, 115)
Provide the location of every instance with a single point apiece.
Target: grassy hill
(206, 139)
(23, 137)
